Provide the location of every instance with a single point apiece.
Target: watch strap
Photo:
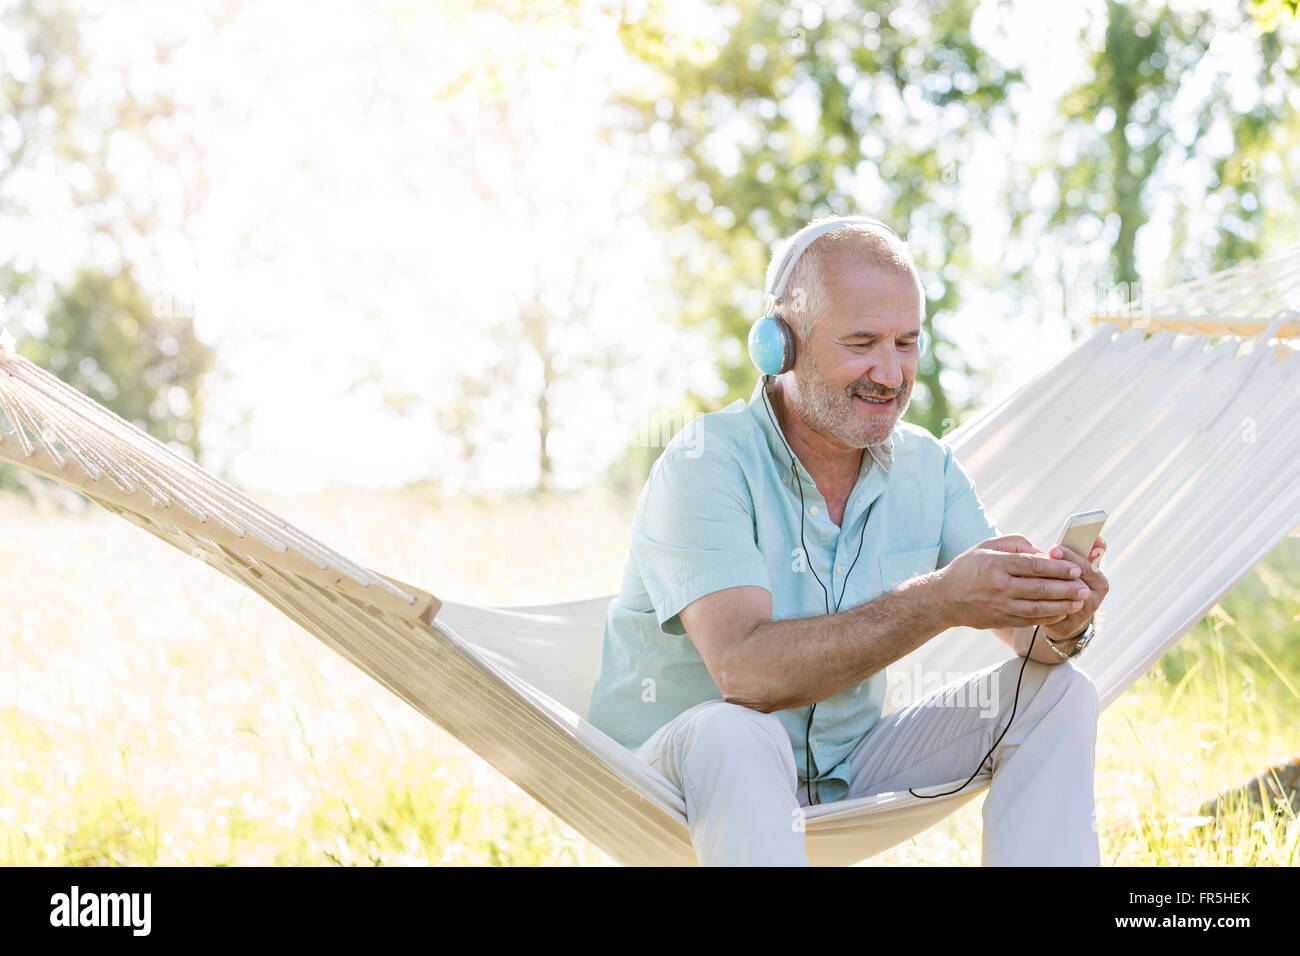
(1081, 641)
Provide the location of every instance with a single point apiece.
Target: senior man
(785, 551)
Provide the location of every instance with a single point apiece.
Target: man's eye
(902, 346)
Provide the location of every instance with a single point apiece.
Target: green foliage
(78, 121)
(818, 100)
(1269, 13)
(780, 114)
(74, 126)
(1126, 147)
(1122, 112)
(104, 339)
(1219, 707)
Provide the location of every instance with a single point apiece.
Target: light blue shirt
(720, 510)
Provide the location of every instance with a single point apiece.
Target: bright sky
(379, 257)
(347, 235)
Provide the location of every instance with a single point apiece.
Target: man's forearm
(799, 661)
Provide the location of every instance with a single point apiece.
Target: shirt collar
(765, 414)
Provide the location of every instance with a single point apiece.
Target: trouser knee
(725, 731)
(1075, 688)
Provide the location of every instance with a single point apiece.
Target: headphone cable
(826, 597)
(807, 748)
(1015, 701)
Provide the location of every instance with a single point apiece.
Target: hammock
(1191, 446)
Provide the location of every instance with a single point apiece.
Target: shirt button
(839, 569)
(813, 509)
(817, 745)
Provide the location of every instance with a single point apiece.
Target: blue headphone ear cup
(923, 342)
(771, 345)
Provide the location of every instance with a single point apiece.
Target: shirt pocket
(901, 565)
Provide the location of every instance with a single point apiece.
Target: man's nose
(888, 370)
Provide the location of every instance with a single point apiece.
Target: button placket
(847, 543)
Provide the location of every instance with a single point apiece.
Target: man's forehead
(873, 315)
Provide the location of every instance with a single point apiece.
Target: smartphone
(1081, 530)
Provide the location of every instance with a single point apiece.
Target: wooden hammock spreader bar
(1242, 301)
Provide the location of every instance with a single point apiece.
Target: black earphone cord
(807, 737)
(1015, 700)
(843, 590)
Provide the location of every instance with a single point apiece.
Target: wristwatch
(1080, 641)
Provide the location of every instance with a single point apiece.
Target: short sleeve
(694, 533)
(965, 524)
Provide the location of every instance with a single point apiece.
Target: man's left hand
(1091, 578)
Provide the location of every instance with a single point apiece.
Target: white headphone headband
(800, 241)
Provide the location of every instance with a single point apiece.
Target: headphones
(771, 342)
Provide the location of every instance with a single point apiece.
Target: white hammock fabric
(1192, 449)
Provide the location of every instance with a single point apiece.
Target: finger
(1033, 622)
(1066, 554)
(1040, 566)
(1041, 612)
(1091, 575)
(1099, 586)
(1049, 589)
(1087, 569)
(1012, 544)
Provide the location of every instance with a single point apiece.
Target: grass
(153, 712)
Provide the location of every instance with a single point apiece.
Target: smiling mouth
(875, 400)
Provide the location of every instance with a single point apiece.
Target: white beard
(834, 413)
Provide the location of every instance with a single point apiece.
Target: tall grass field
(153, 712)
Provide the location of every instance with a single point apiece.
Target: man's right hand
(1007, 582)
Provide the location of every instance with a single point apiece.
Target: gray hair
(806, 300)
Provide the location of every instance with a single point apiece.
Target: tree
(1270, 13)
(81, 308)
(549, 335)
(1128, 136)
(107, 341)
(786, 112)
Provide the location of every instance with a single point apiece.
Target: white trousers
(736, 768)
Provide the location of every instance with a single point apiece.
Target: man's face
(866, 346)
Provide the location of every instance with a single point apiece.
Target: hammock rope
(1189, 443)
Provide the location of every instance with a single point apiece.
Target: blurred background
(437, 281)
